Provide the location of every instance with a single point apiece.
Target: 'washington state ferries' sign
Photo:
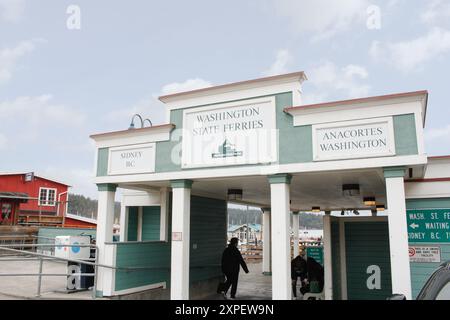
(230, 134)
(354, 139)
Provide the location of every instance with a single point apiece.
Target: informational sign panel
(132, 159)
(353, 139)
(230, 134)
(424, 254)
(429, 225)
(316, 253)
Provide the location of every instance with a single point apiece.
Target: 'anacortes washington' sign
(353, 139)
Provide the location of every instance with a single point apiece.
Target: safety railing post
(39, 277)
(94, 290)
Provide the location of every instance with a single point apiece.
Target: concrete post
(181, 207)
(295, 231)
(327, 257)
(398, 231)
(281, 253)
(105, 223)
(267, 255)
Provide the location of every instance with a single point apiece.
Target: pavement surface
(251, 286)
(25, 287)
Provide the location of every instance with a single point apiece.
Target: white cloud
(188, 85)
(81, 180)
(436, 12)
(35, 120)
(39, 111)
(331, 81)
(411, 55)
(12, 10)
(9, 58)
(283, 59)
(323, 18)
(438, 134)
(151, 107)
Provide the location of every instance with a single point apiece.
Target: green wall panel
(164, 149)
(152, 255)
(336, 259)
(367, 243)
(420, 272)
(208, 235)
(405, 135)
(295, 143)
(132, 223)
(102, 162)
(151, 220)
(437, 203)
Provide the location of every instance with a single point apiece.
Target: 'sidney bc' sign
(132, 159)
(353, 139)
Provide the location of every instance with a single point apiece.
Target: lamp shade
(370, 201)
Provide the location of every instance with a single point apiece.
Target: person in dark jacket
(308, 269)
(298, 269)
(231, 262)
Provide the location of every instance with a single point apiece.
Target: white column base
(266, 265)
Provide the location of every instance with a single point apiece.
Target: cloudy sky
(64, 78)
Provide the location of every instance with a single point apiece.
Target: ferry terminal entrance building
(256, 137)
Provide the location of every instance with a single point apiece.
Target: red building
(25, 194)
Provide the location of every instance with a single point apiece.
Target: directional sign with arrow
(428, 225)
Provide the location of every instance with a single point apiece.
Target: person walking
(231, 262)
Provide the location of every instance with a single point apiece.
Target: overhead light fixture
(234, 194)
(315, 209)
(132, 126)
(342, 213)
(381, 207)
(370, 201)
(356, 212)
(350, 190)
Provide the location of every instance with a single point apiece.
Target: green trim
(102, 162)
(280, 178)
(186, 184)
(98, 294)
(267, 273)
(295, 213)
(107, 187)
(405, 135)
(394, 172)
(429, 203)
(294, 143)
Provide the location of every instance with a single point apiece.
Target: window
(47, 197)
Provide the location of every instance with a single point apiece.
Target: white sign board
(230, 134)
(424, 254)
(132, 159)
(354, 139)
